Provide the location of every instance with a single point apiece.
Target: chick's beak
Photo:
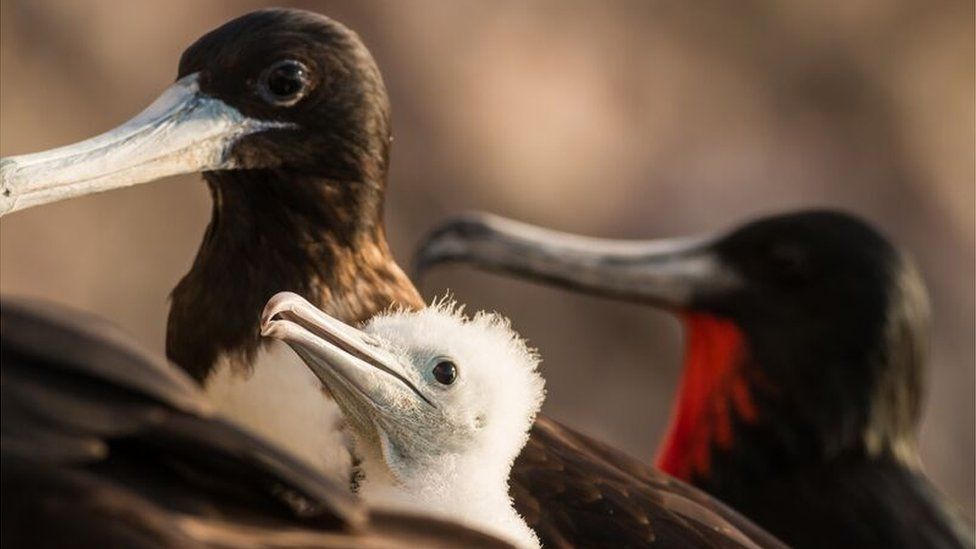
(183, 131)
(365, 379)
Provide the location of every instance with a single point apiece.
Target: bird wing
(577, 492)
(105, 444)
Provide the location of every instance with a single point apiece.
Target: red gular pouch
(713, 387)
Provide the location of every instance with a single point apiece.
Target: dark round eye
(445, 372)
(285, 82)
(790, 263)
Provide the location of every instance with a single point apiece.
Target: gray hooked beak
(365, 379)
(666, 272)
(182, 131)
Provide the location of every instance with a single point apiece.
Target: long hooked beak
(183, 131)
(666, 272)
(364, 378)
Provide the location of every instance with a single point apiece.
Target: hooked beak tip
(279, 303)
(421, 264)
(270, 328)
(449, 242)
(7, 197)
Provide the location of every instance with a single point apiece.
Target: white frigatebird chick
(801, 393)
(285, 113)
(439, 404)
(105, 444)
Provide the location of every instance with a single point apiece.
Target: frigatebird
(286, 115)
(801, 393)
(105, 444)
(439, 403)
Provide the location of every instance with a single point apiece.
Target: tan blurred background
(617, 119)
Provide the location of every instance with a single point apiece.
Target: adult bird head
(274, 89)
(286, 114)
(440, 405)
(806, 330)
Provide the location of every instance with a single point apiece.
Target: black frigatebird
(286, 114)
(106, 445)
(806, 343)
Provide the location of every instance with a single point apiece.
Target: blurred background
(615, 119)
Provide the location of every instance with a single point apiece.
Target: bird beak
(183, 131)
(366, 380)
(667, 273)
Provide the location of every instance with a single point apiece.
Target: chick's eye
(445, 372)
(285, 82)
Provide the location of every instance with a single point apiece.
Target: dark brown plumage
(577, 492)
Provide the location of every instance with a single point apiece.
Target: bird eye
(445, 372)
(284, 83)
(790, 264)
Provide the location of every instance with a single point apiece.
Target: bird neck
(272, 231)
(746, 412)
(451, 487)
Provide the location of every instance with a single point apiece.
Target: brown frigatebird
(286, 115)
(805, 358)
